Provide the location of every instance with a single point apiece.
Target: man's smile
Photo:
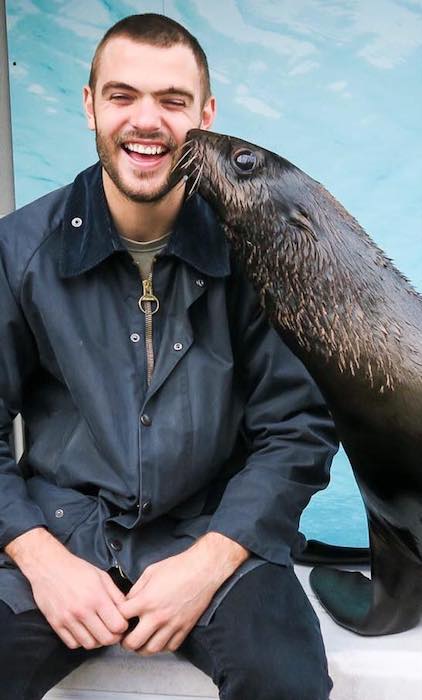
(147, 155)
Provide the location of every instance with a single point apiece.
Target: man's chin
(145, 195)
(142, 190)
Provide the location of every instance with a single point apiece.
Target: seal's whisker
(186, 151)
(186, 165)
(198, 177)
(192, 174)
(176, 165)
(181, 159)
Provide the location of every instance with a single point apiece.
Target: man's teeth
(146, 150)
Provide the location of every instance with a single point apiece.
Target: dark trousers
(262, 643)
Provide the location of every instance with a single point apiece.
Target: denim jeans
(262, 643)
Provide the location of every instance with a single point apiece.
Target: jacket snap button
(200, 282)
(76, 221)
(146, 420)
(135, 337)
(115, 545)
(59, 513)
(177, 346)
(146, 507)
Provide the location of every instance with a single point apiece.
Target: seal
(356, 323)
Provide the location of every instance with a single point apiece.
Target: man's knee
(268, 675)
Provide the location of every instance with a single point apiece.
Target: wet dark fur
(356, 323)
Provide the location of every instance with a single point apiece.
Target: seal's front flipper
(391, 602)
(346, 595)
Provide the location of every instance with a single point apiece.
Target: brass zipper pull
(148, 303)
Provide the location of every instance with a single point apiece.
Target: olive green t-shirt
(144, 253)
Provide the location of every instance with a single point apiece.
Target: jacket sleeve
(291, 442)
(18, 359)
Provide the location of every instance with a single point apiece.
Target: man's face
(146, 99)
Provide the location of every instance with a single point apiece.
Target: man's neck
(142, 221)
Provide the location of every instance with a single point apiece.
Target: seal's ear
(302, 220)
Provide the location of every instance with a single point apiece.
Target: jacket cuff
(255, 540)
(16, 520)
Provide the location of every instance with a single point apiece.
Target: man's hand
(79, 600)
(172, 594)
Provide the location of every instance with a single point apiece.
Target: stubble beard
(106, 149)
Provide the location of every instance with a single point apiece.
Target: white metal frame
(7, 189)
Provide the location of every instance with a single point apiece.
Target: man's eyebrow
(116, 85)
(174, 90)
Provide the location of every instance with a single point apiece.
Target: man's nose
(145, 114)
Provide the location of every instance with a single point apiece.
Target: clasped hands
(86, 609)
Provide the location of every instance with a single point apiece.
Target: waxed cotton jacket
(231, 435)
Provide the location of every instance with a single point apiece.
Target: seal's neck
(334, 308)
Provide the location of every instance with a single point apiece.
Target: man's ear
(209, 112)
(88, 100)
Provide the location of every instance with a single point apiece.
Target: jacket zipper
(116, 565)
(149, 305)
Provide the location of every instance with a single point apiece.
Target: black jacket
(231, 435)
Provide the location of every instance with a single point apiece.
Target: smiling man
(172, 440)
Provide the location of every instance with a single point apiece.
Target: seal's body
(356, 323)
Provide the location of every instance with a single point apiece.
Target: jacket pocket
(64, 508)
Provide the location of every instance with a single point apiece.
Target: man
(172, 439)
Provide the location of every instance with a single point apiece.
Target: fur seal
(356, 323)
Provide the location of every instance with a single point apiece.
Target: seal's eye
(244, 161)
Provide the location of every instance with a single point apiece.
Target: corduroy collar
(89, 235)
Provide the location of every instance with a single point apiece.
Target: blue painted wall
(332, 85)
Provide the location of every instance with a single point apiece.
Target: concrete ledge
(116, 674)
(362, 668)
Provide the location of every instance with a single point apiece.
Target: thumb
(130, 608)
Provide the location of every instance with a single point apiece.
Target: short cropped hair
(155, 30)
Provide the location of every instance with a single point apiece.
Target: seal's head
(239, 179)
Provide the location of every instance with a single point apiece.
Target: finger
(156, 643)
(113, 591)
(176, 641)
(137, 587)
(99, 631)
(130, 608)
(145, 628)
(113, 619)
(67, 638)
(109, 612)
(82, 635)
